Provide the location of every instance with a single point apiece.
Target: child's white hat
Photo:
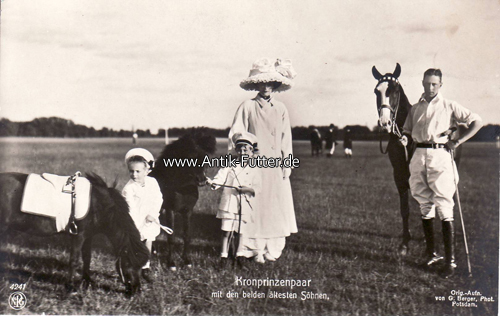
(266, 70)
(245, 138)
(142, 153)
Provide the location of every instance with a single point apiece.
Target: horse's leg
(187, 237)
(86, 257)
(401, 178)
(76, 247)
(405, 216)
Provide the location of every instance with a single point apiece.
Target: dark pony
(108, 215)
(393, 108)
(179, 183)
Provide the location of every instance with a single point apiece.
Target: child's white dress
(144, 200)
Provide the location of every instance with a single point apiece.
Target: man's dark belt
(434, 146)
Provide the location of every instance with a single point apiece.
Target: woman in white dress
(268, 119)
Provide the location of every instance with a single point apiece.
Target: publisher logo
(17, 300)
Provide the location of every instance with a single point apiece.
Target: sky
(160, 63)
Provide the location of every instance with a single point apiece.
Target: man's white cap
(142, 153)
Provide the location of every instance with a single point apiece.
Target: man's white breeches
(433, 182)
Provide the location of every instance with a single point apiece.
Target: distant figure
(347, 143)
(330, 140)
(316, 142)
(134, 138)
(498, 141)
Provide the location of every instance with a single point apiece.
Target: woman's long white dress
(274, 215)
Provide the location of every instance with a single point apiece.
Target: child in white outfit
(144, 198)
(241, 184)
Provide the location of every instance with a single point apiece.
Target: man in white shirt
(434, 176)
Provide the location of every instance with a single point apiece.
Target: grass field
(349, 230)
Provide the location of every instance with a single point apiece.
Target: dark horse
(393, 108)
(108, 215)
(179, 183)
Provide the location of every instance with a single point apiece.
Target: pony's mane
(115, 211)
(405, 107)
(197, 139)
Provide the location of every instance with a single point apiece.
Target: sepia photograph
(249, 157)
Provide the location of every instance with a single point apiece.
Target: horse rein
(394, 113)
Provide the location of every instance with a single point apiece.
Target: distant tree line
(59, 127)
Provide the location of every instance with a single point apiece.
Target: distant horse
(179, 183)
(393, 108)
(108, 215)
(316, 142)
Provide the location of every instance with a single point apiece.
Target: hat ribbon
(285, 68)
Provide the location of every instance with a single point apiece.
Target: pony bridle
(386, 109)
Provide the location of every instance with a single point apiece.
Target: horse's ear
(397, 71)
(375, 73)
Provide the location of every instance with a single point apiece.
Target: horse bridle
(394, 129)
(394, 111)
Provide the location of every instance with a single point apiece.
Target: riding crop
(168, 230)
(461, 217)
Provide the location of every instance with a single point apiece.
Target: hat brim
(250, 84)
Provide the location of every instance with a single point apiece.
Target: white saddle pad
(48, 195)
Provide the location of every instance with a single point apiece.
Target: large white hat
(266, 70)
(142, 153)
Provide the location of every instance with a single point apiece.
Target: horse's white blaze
(385, 119)
(385, 113)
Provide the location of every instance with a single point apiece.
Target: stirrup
(72, 228)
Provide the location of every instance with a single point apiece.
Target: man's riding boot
(431, 256)
(449, 249)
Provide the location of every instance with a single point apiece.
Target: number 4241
(18, 287)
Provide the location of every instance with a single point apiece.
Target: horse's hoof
(71, 289)
(86, 284)
(403, 249)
